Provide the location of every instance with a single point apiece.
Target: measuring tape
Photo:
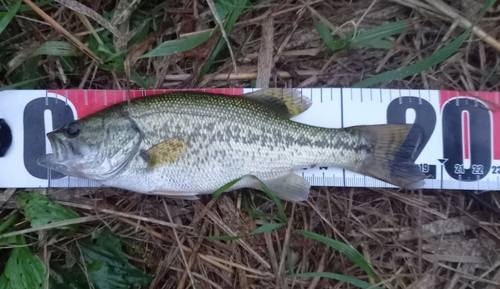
(461, 148)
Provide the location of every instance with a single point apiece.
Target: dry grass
(430, 239)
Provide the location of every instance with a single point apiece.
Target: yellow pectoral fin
(166, 152)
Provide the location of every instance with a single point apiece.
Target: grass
(339, 238)
(436, 58)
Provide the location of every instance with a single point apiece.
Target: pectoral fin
(290, 187)
(165, 152)
(289, 102)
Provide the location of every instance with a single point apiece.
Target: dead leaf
(188, 24)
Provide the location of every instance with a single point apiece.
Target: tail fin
(394, 153)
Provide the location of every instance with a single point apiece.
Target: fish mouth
(55, 161)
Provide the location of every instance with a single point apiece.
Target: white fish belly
(201, 179)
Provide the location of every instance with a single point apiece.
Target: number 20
(479, 130)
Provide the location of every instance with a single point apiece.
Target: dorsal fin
(287, 101)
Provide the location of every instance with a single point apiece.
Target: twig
(61, 29)
(193, 257)
(335, 30)
(274, 14)
(366, 12)
(465, 23)
(84, 10)
(207, 258)
(243, 244)
(180, 245)
(111, 212)
(6, 195)
(46, 263)
(320, 268)
(52, 226)
(86, 75)
(223, 31)
(284, 43)
(10, 221)
(242, 76)
(265, 61)
(198, 275)
(233, 264)
(279, 281)
(272, 254)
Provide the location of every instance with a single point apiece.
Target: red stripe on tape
(491, 100)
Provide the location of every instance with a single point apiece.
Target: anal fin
(290, 187)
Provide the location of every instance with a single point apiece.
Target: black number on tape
(5, 137)
(425, 116)
(34, 132)
(479, 128)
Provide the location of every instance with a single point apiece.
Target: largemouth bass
(188, 143)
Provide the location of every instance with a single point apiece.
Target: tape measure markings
(450, 119)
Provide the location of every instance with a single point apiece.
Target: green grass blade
(135, 77)
(225, 187)
(276, 200)
(267, 228)
(9, 15)
(338, 277)
(234, 14)
(9, 222)
(424, 64)
(262, 229)
(223, 238)
(221, 10)
(374, 38)
(326, 35)
(56, 48)
(265, 189)
(67, 63)
(26, 8)
(30, 71)
(179, 45)
(349, 251)
(436, 58)
(246, 4)
(251, 212)
(21, 83)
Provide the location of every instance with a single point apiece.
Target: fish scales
(229, 138)
(184, 144)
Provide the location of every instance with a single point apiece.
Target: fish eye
(72, 130)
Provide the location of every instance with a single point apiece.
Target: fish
(187, 144)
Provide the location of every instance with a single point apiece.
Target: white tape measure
(461, 149)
